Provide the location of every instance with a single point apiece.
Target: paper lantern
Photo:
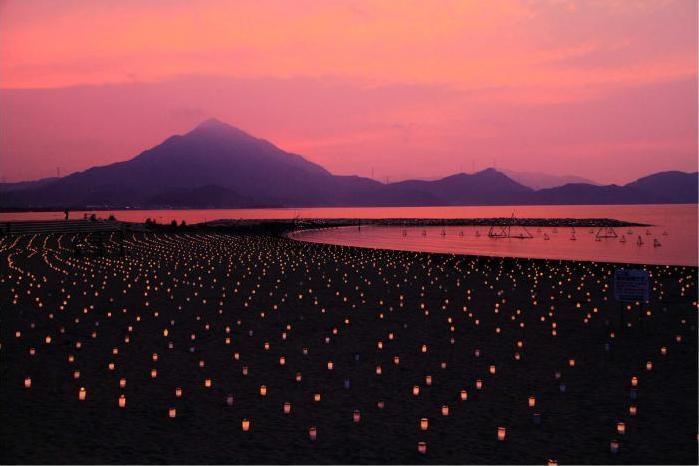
(649, 365)
(634, 381)
(502, 432)
(379, 370)
(633, 410)
(122, 382)
(424, 423)
(82, 394)
(663, 350)
(532, 401)
(305, 351)
(396, 360)
(282, 360)
(298, 377)
(316, 397)
(153, 373)
(76, 375)
(416, 390)
(178, 392)
(263, 390)
(614, 446)
(479, 384)
(312, 433)
(621, 428)
(552, 462)
(229, 400)
(27, 382)
(330, 365)
(428, 380)
(122, 401)
(356, 416)
(172, 413)
(424, 348)
(245, 370)
(445, 410)
(463, 395)
(155, 357)
(571, 362)
(110, 366)
(287, 407)
(491, 369)
(422, 447)
(245, 425)
(380, 404)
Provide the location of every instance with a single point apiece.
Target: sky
(606, 90)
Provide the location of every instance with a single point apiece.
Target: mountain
(536, 180)
(218, 166)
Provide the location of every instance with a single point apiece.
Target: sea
(671, 238)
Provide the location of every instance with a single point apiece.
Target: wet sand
(192, 291)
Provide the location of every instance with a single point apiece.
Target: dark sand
(184, 282)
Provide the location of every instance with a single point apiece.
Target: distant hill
(218, 166)
(536, 180)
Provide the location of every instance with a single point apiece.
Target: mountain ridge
(216, 164)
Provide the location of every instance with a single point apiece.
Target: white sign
(631, 285)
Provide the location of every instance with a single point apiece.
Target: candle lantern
(416, 390)
(552, 462)
(380, 404)
(110, 366)
(424, 348)
(153, 373)
(378, 370)
(122, 382)
(633, 410)
(298, 377)
(287, 407)
(178, 392)
(330, 365)
(263, 390)
(229, 400)
(502, 432)
(571, 362)
(245, 424)
(634, 381)
(621, 428)
(663, 350)
(122, 401)
(428, 380)
(649, 365)
(396, 360)
(479, 384)
(82, 394)
(356, 416)
(305, 351)
(172, 413)
(614, 446)
(422, 447)
(532, 401)
(445, 410)
(155, 357)
(76, 375)
(312, 433)
(491, 369)
(424, 423)
(27, 382)
(463, 395)
(316, 397)
(245, 370)
(282, 360)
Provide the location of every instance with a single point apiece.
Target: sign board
(631, 285)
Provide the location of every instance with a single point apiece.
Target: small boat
(443, 233)
(572, 235)
(424, 233)
(405, 233)
(555, 230)
(648, 233)
(546, 236)
(478, 233)
(629, 232)
(656, 243)
(665, 233)
(461, 233)
(639, 241)
(623, 239)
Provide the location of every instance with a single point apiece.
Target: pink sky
(602, 89)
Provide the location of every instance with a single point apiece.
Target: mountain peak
(212, 123)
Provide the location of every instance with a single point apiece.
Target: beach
(537, 352)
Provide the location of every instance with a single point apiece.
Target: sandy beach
(537, 347)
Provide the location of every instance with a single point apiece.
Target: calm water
(674, 227)
(679, 246)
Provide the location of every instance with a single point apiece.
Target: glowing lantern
(380, 404)
(245, 370)
(378, 370)
(552, 462)
(111, 366)
(571, 362)
(424, 348)
(178, 392)
(634, 381)
(649, 365)
(621, 428)
(76, 375)
(492, 370)
(155, 357)
(305, 351)
(82, 394)
(229, 400)
(633, 410)
(122, 401)
(356, 416)
(416, 390)
(316, 397)
(396, 360)
(428, 380)
(532, 401)
(663, 350)
(464, 395)
(287, 407)
(479, 384)
(263, 390)
(424, 423)
(245, 424)
(312, 433)
(172, 413)
(27, 382)
(122, 382)
(330, 365)
(422, 447)
(153, 373)
(298, 377)
(445, 410)
(502, 432)
(282, 360)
